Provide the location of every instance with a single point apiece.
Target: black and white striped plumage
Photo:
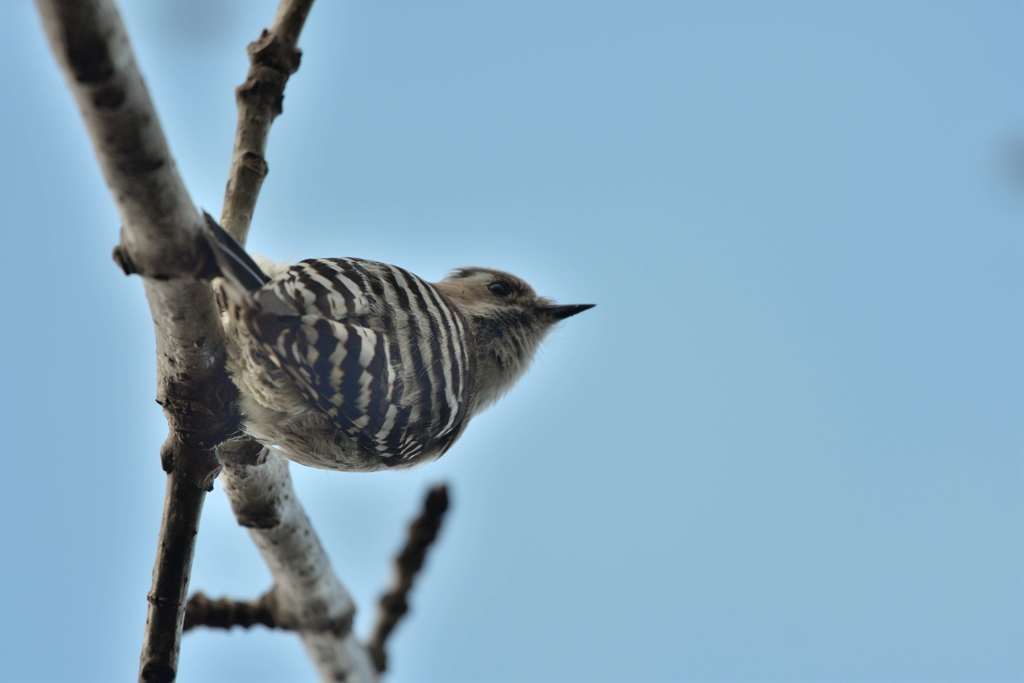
(350, 364)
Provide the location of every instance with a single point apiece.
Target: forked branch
(227, 613)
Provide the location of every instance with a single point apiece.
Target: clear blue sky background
(787, 445)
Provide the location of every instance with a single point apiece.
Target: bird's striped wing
(348, 372)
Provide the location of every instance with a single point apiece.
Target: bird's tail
(231, 260)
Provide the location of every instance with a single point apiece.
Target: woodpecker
(350, 364)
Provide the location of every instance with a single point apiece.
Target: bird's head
(508, 322)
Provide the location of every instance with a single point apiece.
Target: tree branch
(270, 611)
(307, 594)
(394, 604)
(273, 57)
(159, 240)
(224, 612)
(227, 613)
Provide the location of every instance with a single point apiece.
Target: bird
(356, 365)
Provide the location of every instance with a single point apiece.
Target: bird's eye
(500, 288)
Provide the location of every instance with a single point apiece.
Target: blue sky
(785, 446)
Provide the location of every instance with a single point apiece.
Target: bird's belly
(310, 438)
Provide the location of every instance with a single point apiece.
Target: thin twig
(159, 240)
(394, 604)
(267, 610)
(228, 613)
(273, 58)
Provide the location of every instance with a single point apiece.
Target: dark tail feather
(232, 262)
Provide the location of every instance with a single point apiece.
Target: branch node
(124, 261)
(199, 266)
(169, 453)
(255, 163)
(155, 599)
(87, 56)
(157, 672)
(270, 51)
(200, 465)
(109, 97)
(262, 518)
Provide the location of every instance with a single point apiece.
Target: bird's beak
(563, 312)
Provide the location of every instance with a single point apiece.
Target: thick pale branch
(268, 609)
(159, 241)
(306, 590)
(307, 594)
(394, 603)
